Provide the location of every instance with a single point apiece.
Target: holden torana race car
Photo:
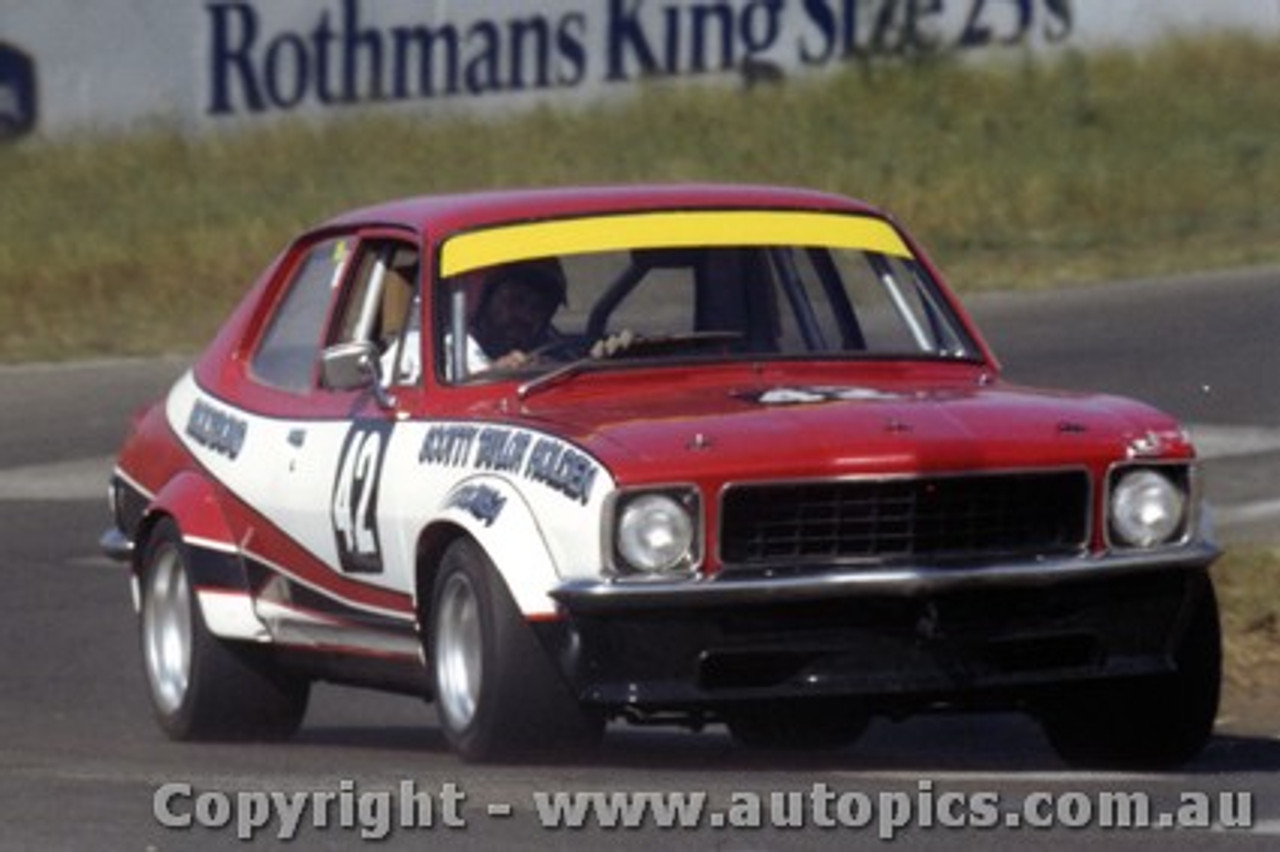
(675, 454)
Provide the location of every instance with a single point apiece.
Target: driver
(513, 318)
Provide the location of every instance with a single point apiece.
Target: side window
(886, 306)
(661, 303)
(587, 276)
(897, 311)
(810, 322)
(287, 355)
(381, 306)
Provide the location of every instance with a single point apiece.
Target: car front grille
(963, 518)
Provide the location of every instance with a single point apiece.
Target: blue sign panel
(17, 92)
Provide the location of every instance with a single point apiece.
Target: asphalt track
(82, 765)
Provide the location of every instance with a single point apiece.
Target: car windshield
(854, 290)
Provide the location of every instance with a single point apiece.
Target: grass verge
(1021, 174)
(1248, 583)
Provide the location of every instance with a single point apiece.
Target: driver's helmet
(542, 274)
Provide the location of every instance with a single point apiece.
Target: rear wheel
(1148, 723)
(802, 724)
(498, 695)
(203, 687)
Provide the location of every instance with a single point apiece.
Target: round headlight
(655, 534)
(1147, 509)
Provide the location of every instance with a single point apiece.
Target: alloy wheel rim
(166, 630)
(459, 666)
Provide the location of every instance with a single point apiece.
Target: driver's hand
(513, 360)
(610, 345)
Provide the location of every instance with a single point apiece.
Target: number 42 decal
(354, 507)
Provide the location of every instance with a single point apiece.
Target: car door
(326, 581)
(382, 309)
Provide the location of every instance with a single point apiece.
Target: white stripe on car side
(285, 470)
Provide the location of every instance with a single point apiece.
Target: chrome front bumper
(848, 581)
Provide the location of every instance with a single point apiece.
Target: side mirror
(354, 365)
(348, 366)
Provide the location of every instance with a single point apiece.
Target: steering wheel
(558, 349)
(667, 344)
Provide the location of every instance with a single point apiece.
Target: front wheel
(203, 687)
(1148, 723)
(498, 695)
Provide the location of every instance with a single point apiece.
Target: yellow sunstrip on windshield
(676, 229)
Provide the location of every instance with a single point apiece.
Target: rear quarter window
(290, 349)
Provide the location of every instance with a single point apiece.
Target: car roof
(449, 213)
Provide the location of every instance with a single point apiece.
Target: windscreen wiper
(556, 376)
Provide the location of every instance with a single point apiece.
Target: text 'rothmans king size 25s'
(687, 454)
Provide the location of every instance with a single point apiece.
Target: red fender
(218, 571)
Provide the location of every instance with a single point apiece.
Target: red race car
(686, 454)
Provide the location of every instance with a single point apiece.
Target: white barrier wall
(115, 65)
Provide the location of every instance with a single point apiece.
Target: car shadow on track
(397, 738)
(983, 743)
(1236, 753)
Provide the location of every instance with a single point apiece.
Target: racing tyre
(203, 687)
(1147, 723)
(815, 723)
(498, 694)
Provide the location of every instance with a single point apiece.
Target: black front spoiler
(920, 642)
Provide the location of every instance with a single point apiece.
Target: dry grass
(1024, 174)
(1248, 584)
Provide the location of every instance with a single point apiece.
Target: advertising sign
(217, 64)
